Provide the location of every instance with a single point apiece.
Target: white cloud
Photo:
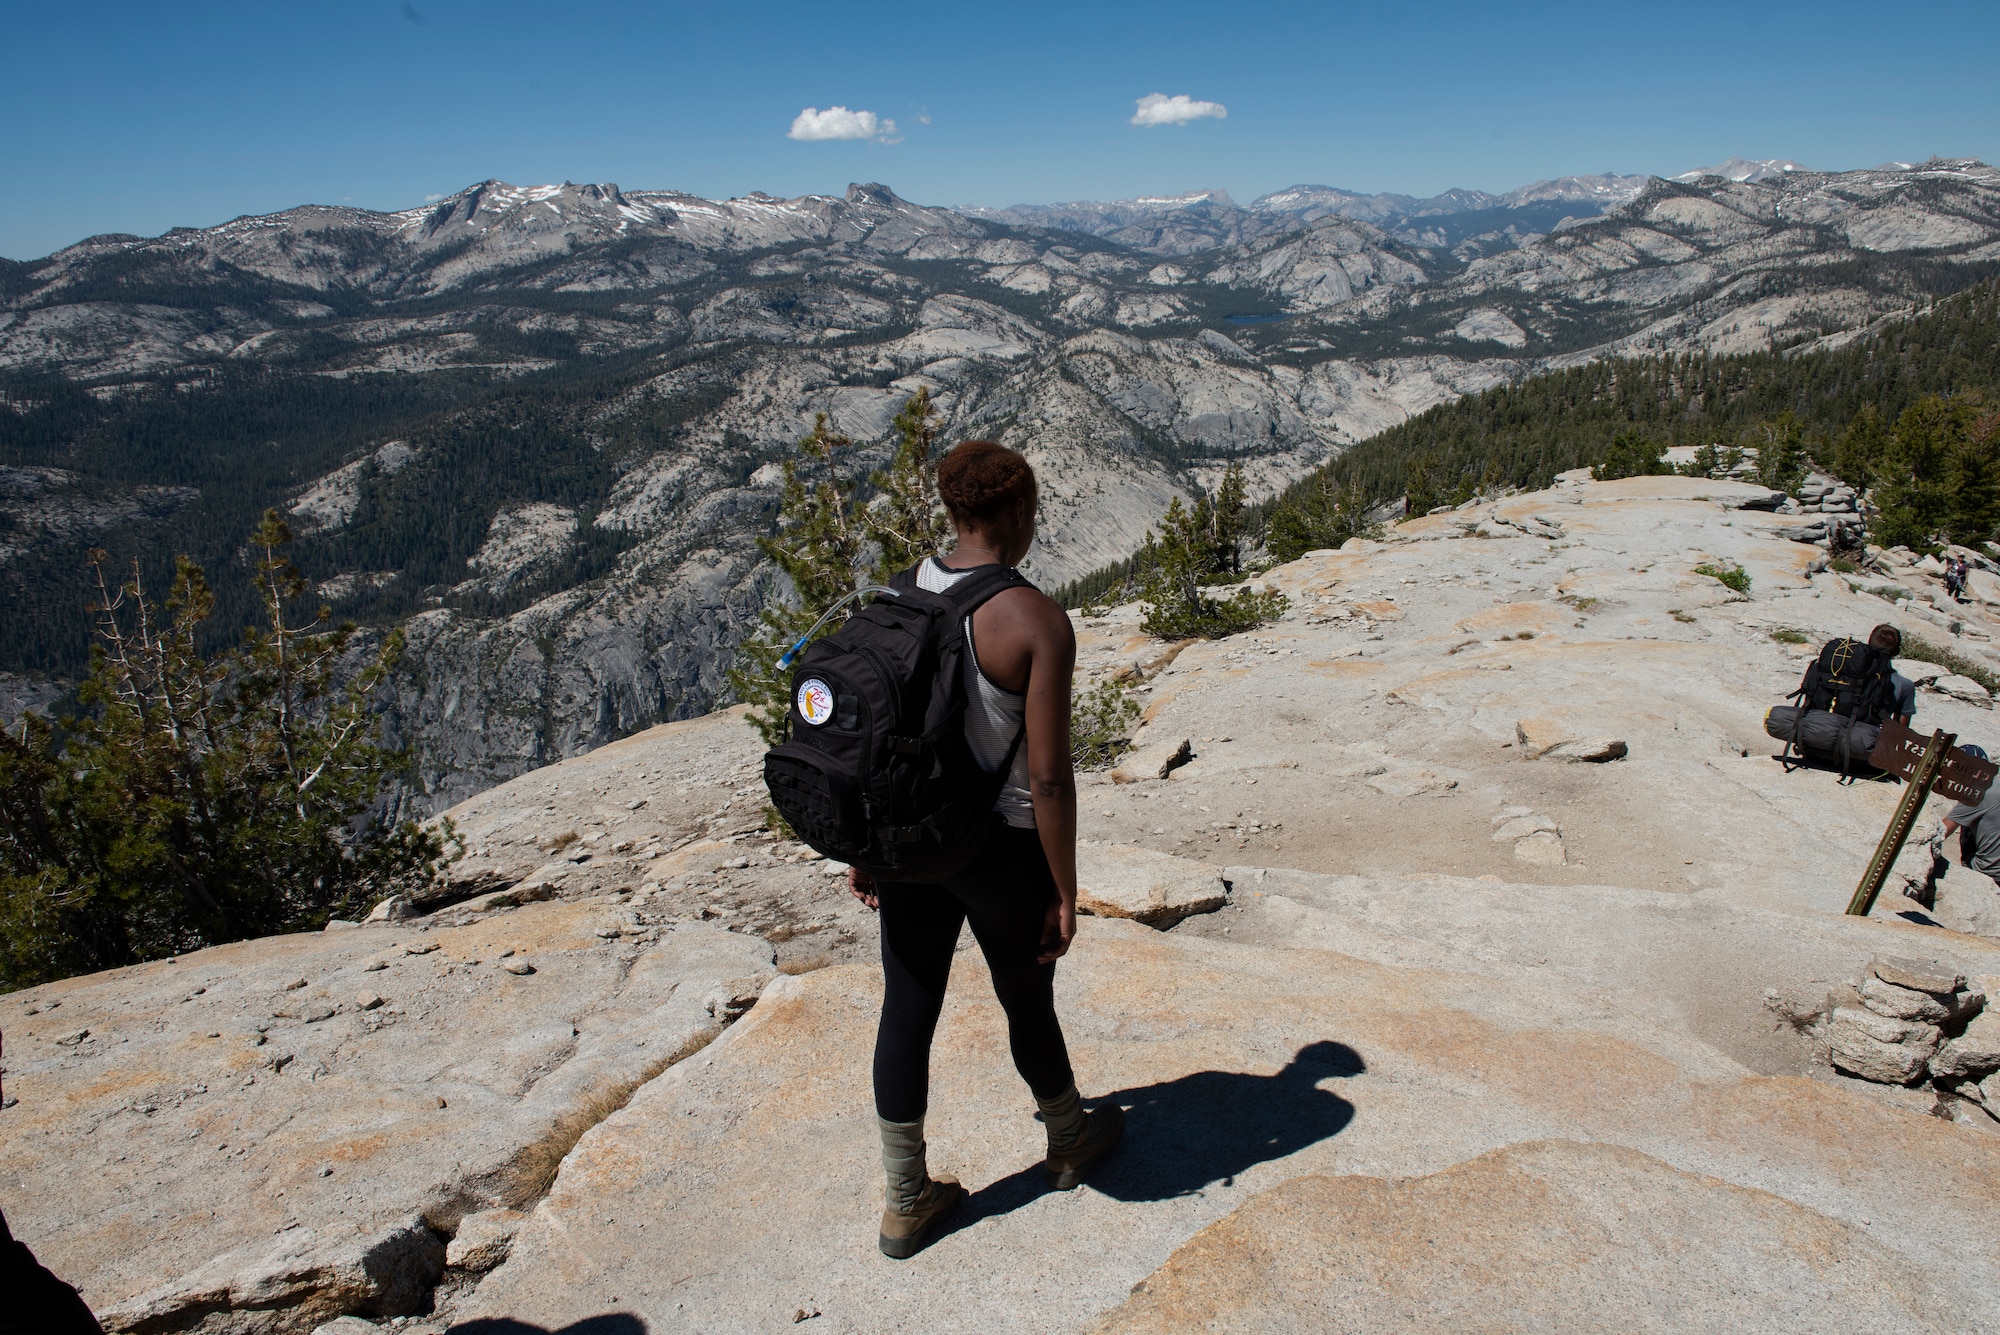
(1159, 109)
(840, 123)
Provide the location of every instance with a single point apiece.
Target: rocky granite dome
(540, 427)
(1464, 959)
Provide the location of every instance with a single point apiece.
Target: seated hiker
(1019, 893)
(1978, 825)
(1847, 692)
(1890, 640)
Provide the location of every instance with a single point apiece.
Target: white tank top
(993, 716)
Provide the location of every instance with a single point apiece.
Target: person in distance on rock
(1019, 893)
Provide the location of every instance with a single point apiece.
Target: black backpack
(875, 770)
(1849, 678)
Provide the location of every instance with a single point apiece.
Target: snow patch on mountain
(1746, 169)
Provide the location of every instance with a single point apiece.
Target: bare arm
(1051, 781)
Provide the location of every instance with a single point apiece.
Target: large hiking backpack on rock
(1849, 678)
(1823, 735)
(1843, 698)
(875, 770)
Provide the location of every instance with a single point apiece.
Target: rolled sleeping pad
(1823, 735)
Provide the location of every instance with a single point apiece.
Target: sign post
(1926, 765)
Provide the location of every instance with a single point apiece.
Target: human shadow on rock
(1186, 1134)
(609, 1323)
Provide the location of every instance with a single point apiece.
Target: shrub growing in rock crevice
(1923, 651)
(1734, 577)
(1100, 725)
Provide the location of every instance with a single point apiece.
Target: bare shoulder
(1036, 612)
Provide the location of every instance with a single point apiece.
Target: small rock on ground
(1923, 975)
(1124, 881)
(1877, 1048)
(1971, 1055)
(482, 1239)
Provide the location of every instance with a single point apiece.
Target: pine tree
(196, 800)
(818, 547)
(1938, 475)
(1711, 460)
(1975, 471)
(1781, 451)
(823, 538)
(905, 521)
(1858, 455)
(1100, 724)
(1324, 516)
(1177, 563)
(1224, 522)
(1423, 486)
(1629, 454)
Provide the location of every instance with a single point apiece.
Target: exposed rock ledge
(272, 1133)
(1476, 1038)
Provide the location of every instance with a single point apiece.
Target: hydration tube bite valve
(806, 638)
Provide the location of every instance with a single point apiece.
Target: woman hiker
(1020, 892)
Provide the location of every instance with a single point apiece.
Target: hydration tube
(804, 639)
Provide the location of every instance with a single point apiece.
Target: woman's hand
(862, 886)
(1058, 930)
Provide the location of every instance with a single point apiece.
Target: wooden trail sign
(1962, 778)
(1926, 764)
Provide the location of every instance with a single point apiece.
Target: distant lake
(1269, 318)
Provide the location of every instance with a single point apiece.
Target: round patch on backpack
(815, 701)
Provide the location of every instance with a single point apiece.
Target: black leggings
(1005, 893)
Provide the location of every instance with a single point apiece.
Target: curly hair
(980, 479)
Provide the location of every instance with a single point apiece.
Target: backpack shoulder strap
(971, 593)
(968, 596)
(1808, 684)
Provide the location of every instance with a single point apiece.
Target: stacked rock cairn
(1915, 1021)
(1832, 504)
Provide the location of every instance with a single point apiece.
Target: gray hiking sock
(903, 1162)
(1063, 1115)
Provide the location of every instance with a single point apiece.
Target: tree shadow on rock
(609, 1323)
(1186, 1134)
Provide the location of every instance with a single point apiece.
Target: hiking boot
(1102, 1130)
(904, 1235)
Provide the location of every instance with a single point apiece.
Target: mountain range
(540, 427)
(1203, 219)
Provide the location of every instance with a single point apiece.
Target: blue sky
(138, 117)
